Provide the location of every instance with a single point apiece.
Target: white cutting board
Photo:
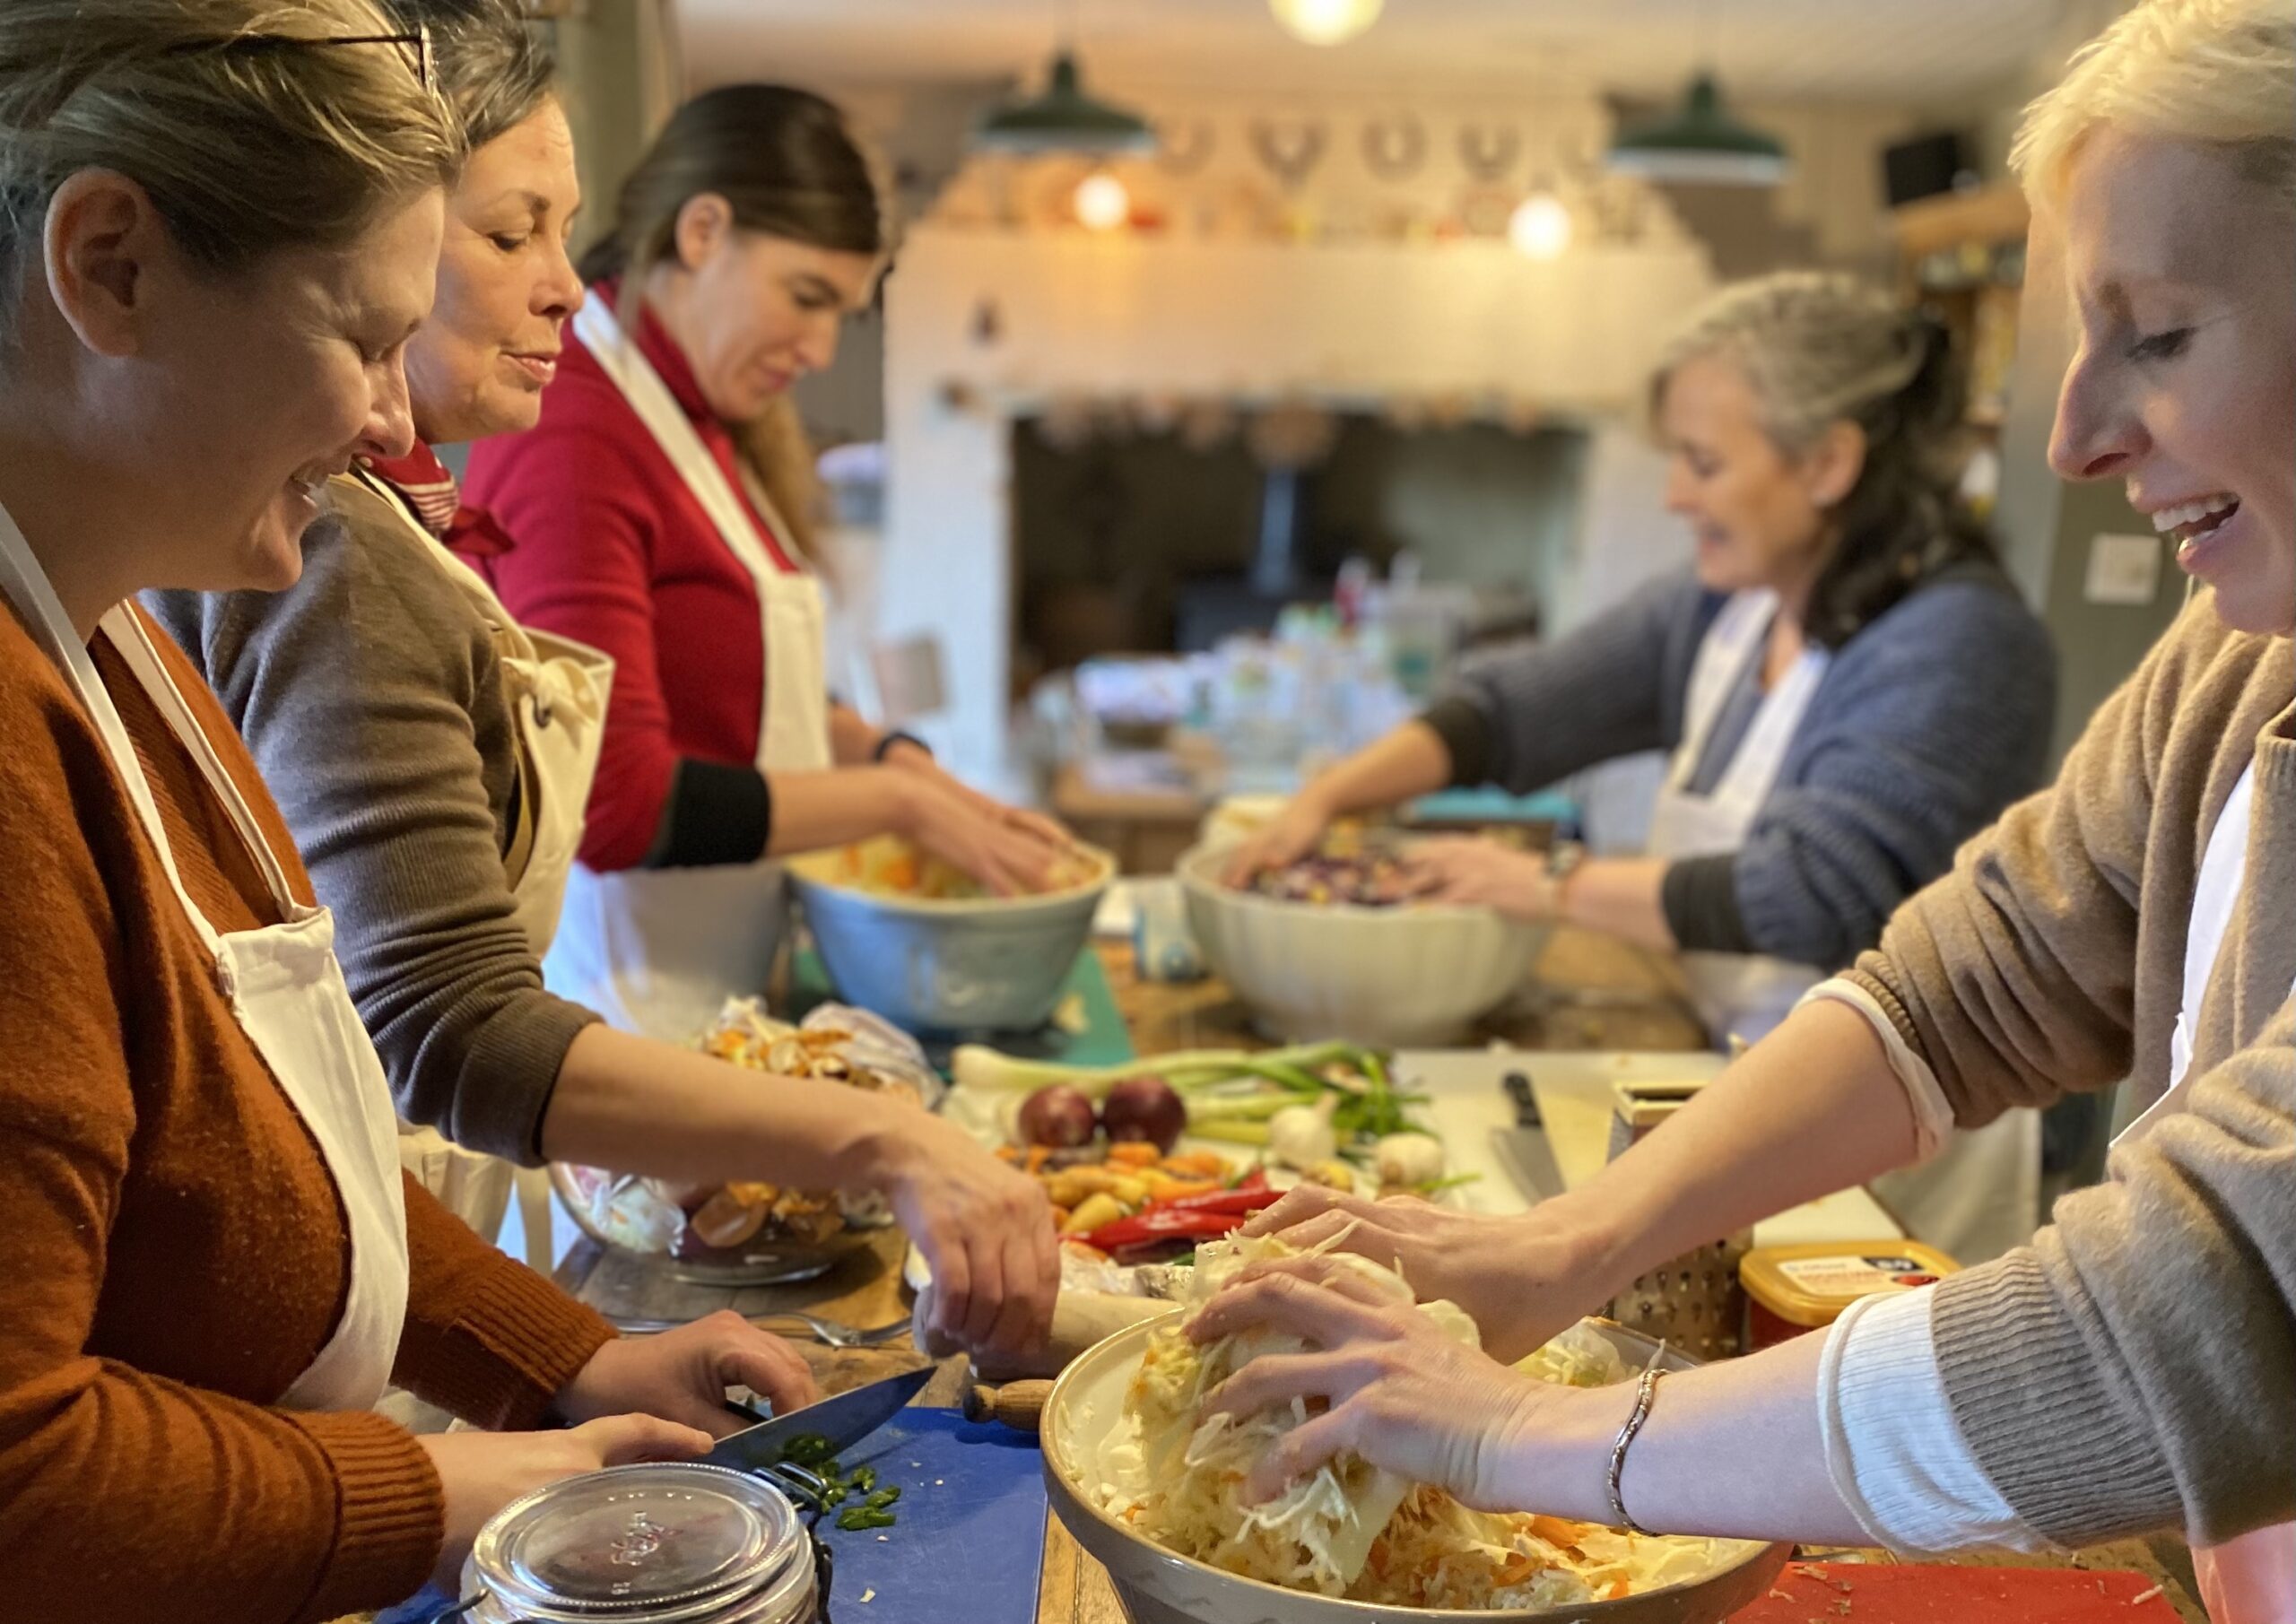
(1468, 1100)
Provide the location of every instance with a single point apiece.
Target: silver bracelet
(1627, 1433)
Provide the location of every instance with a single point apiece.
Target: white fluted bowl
(1417, 975)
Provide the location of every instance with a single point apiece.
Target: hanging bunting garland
(1489, 153)
(1179, 155)
(1289, 153)
(1394, 149)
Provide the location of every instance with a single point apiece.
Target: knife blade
(844, 1420)
(1524, 1147)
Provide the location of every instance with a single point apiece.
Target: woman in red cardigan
(658, 513)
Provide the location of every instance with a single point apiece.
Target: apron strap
(1731, 640)
(800, 697)
(650, 398)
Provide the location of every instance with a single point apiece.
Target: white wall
(1350, 323)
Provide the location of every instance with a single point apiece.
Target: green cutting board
(1103, 1040)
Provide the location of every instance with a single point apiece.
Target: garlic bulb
(1408, 1160)
(1301, 1135)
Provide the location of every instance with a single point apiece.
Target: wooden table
(1147, 829)
(1594, 993)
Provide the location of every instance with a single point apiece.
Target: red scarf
(427, 486)
(423, 483)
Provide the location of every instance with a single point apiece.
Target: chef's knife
(1524, 1147)
(844, 1420)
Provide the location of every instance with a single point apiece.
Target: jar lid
(649, 1542)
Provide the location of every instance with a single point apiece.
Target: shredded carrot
(1619, 1590)
(1038, 1156)
(1557, 1531)
(1134, 1153)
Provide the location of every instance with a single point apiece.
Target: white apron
(557, 690)
(1737, 995)
(284, 988)
(1979, 1196)
(2253, 1579)
(657, 951)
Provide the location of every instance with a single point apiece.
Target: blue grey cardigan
(1929, 722)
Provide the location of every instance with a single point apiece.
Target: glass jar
(652, 1544)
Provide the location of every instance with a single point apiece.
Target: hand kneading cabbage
(1350, 1529)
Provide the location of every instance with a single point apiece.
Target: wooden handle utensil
(1019, 1405)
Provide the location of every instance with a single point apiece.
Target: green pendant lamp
(1064, 118)
(1700, 143)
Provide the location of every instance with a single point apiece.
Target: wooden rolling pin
(1019, 1405)
(1079, 1320)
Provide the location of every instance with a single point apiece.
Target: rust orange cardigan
(172, 1249)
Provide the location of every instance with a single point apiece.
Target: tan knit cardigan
(2136, 1367)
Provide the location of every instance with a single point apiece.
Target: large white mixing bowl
(1157, 1586)
(1414, 976)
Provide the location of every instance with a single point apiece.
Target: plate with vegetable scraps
(1145, 1160)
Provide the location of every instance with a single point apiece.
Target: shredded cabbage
(1352, 1529)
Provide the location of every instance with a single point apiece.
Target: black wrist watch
(885, 745)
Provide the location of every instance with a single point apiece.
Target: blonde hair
(1820, 348)
(2222, 73)
(249, 129)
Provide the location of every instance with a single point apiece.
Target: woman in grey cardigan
(2131, 1369)
(433, 758)
(1847, 685)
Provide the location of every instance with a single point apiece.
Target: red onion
(1146, 1109)
(1059, 1117)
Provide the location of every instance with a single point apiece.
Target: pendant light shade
(1064, 119)
(1700, 145)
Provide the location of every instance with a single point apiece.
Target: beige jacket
(2136, 1367)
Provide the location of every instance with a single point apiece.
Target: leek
(977, 1067)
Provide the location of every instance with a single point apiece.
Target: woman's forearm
(1812, 1109)
(1710, 1432)
(852, 740)
(637, 1106)
(1620, 897)
(1410, 762)
(813, 810)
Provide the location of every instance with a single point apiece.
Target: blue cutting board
(972, 1512)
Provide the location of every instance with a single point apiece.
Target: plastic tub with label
(1792, 1289)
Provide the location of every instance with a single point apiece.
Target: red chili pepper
(1244, 1198)
(1164, 1223)
(1206, 1217)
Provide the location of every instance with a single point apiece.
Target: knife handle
(1526, 1099)
(1019, 1405)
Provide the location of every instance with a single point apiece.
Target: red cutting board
(1845, 1592)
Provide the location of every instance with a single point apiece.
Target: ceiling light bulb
(1541, 226)
(1326, 22)
(1102, 204)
